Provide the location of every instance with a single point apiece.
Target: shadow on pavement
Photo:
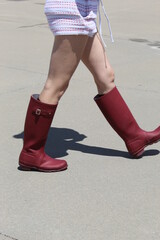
(60, 140)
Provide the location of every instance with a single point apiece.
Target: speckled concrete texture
(104, 194)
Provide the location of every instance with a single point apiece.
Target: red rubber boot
(122, 121)
(38, 120)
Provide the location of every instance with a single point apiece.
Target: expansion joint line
(7, 236)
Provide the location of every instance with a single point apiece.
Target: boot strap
(41, 112)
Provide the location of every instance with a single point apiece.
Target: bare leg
(66, 54)
(94, 57)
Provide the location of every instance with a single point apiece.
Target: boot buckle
(38, 111)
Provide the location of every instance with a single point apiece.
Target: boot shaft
(38, 120)
(117, 113)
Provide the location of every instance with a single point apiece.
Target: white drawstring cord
(100, 25)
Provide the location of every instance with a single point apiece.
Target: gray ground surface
(104, 194)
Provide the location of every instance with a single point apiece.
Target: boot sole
(28, 168)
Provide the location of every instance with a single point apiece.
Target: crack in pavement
(22, 69)
(7, 236)
(34, 25)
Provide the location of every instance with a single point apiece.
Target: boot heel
(139, 154)
(24, 168)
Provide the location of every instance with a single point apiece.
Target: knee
(61, 90)
(56, 89)
(105, 80)
(111, 75)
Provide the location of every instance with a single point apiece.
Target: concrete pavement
(104, 194)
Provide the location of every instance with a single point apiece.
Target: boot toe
(54, 165)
